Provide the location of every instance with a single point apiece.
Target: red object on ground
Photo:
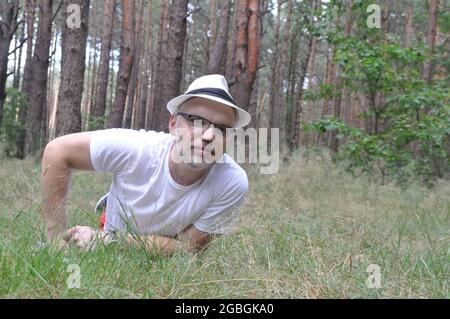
(102, 220)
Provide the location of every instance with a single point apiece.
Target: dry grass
(309, 231)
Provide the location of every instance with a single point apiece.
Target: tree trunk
(279, 106)
(248, 28)
(168, 79)
(103, 71)
(30, 10)
(130, 106)
(125, 65)
(68, 111)
(88, 108)
(210, 39)
(217, 58)
(16, 83)
(298, 109)
(52, 92)
(409, 29)
(162, 43)
(431, 40)
(310, 70)
(274, 115)
(39, 65)
(8, 26)
(147, 68)
(338, 100)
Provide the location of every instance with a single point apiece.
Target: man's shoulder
(231, 175)
(131, 136)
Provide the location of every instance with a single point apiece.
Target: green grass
(309, 231)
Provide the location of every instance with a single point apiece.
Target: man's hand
(189, 240)
(85, 237)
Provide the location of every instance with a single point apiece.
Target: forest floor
(310, 231)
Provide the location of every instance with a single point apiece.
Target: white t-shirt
(144, 197)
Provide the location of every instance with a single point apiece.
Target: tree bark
(30, 11)
(162, 44)
(211, 37)
(431, 40)
(16, 83)
(125, 65)
(68, 111)
(279, 109)
(248, 28)
(409, 29)
(217, 58)
(39, 65)
(103, 71)
(8, 26)
(168, 79)
(338, 100)
(141, 124)
(88, 108)
(131, 106)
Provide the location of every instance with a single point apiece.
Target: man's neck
(181, 172)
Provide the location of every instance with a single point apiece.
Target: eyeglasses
(192, 120)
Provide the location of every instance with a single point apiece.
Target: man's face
(200, 128)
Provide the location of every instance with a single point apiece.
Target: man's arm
(61, 156)
(190, 239)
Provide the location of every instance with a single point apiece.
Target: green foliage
(12, 130)
(414, 144)
(97, 123)
(407, 132)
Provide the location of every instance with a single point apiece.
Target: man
(170, 191)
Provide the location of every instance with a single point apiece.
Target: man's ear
(172, 124)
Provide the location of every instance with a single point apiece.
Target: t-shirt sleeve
(114, 150)
(221, 216)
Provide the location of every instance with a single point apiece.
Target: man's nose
(208, 134)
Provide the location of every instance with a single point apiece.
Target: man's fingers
(69, 233)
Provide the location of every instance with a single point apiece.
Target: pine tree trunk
(125, 65)
(88, 108)
(8, 26)
(274, 116)
(279, 106)
(409, 29)
(298, 109)
(16, 83)
(103, 71)
(338, 100)
(162, 43)
(39, 66)
(305, 139)
(168, 79)
(431, 40)
(217, 58)
(210, 39)
(130, 111)
(53, 92)
(248, 40)
(147, 68)
(30, 10)
(68, 111)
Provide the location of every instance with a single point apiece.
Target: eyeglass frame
(187, 118)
